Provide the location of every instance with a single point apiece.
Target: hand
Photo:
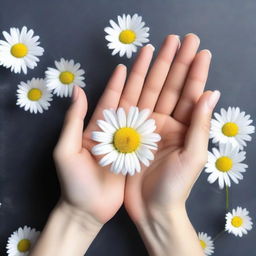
(173, 91)
(90, 194)
(87, 187)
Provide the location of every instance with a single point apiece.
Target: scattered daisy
(21, 241)
(206, 243)
(20, 50)
(63, 78)
(224, 164)
(125, 36)
(231, 126)
(34, 95)
(238, 222)
(125, 139)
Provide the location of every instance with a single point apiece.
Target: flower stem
(218, 235)
(227, 208)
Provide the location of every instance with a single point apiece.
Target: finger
(177, 75)
(111, 95)
(157, 75)
(70, 140)
(196, 141)
(136, 78)
(194, 87)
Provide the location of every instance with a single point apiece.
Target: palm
(99, 188)
(163, 182)
(92, 187)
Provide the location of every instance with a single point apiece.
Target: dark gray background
(74, 29)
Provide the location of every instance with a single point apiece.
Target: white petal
(109, 158)
(132, 116)
(102, 148)
(143, 115)
(110, 117)
(121, 117)
(147, 127)
(106, 127)
(102, 137)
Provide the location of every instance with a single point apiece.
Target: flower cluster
(230, 130)
(20, 52)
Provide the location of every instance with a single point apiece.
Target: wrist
(162, 230)
(69, 231)
(81, 219)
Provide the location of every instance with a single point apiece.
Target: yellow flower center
(224, 164)
(127, 36)
(19, 50)
(126, 140)
(66, 77)
(203, 244)
(230, 129)
(35, 94)
(23, 245)
(237, 221)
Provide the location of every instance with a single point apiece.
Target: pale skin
(173, 89)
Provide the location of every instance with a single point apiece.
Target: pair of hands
(173, 89)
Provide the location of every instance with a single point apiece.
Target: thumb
(196, 142)
(70, 140)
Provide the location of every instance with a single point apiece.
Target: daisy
(21, 241)
(63, 78)
(231, 126)
(125, 139)
(125, 36)
(224, 164)
(206, 243)
(34, 95)
(238, 222)
(20, 50)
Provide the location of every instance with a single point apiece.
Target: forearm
(67, 232)
(169, 234)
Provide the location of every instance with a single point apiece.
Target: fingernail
(74, 93)
(209, 52)
(178, 38)
(190, 34)
(150, 45)
(194, 35)
(213, 99)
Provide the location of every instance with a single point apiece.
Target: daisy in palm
(238, 222)
(34, 95)
(206, 242)
(21, 241)
(20, 51)
(126, 140)
(225, 164)
(63, 78)
(232, 126)
(125, 36)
